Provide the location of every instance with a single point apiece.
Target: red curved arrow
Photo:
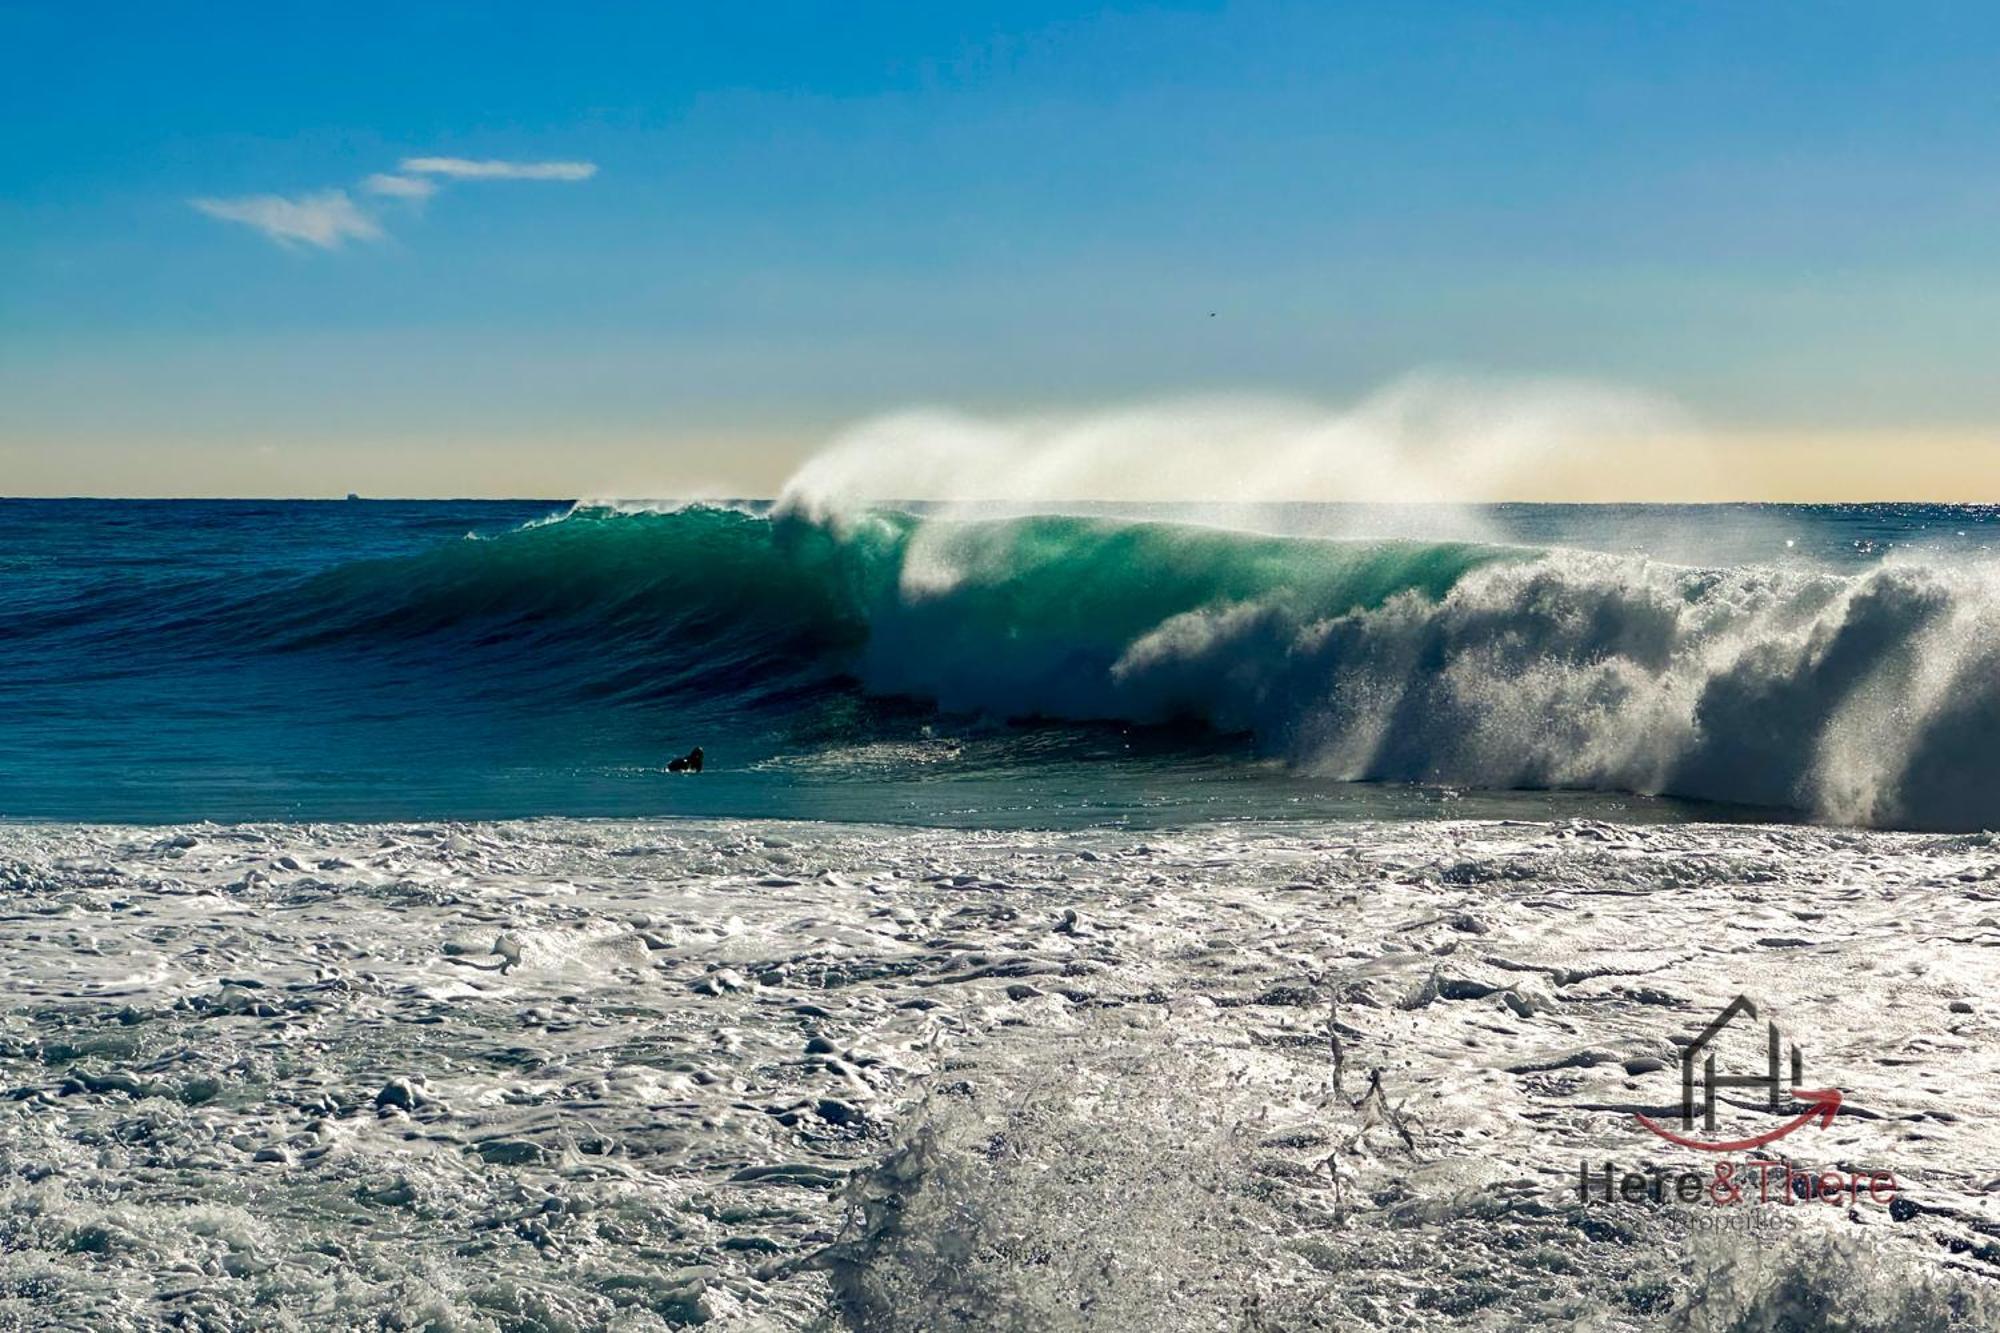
(1821, 1105)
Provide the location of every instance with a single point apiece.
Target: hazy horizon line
(356, 498)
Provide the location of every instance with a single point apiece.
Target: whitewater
(770, 1075)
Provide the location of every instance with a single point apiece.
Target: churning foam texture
(1873, 699)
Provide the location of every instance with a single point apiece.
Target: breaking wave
(1869, 697)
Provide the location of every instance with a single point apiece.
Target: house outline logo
(1821, 1104)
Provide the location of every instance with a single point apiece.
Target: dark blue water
(238, 660)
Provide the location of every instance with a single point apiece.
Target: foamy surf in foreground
(579, 1075)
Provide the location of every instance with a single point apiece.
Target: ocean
(369, 660)
(1286, 918)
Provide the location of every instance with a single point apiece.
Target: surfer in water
(687, 763)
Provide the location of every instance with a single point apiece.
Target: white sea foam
(639, 1075)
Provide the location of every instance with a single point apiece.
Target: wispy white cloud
(330, 218)
(465, 168)
(399, 187)
(327, 219)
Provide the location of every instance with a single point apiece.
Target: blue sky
(1784, 217)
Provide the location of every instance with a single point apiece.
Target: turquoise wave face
(232, 661)
(1030, 617)
(374, 659)
(735, 608)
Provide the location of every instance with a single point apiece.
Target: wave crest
(1869, 698)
